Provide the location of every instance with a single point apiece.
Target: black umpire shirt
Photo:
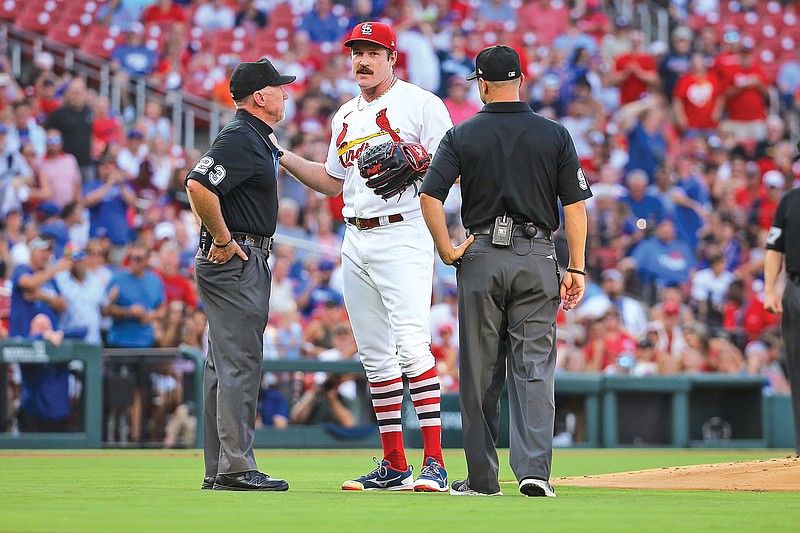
(511, 161)
(784, 235)
(241, 168)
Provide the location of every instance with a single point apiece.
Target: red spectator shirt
(179, 287)
(154, 15)
(632, 88)
(747, 104)
(698, 95)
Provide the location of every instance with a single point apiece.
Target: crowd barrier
(592, 410)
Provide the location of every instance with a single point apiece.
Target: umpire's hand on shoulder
(222, 254)
(573, 287)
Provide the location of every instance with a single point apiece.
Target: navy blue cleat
(432, 477)
(382, 478)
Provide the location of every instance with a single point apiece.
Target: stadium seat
(69, 34)
(9, 9)
(37, 21)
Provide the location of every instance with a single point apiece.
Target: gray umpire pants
(790, 328)
(507, 305)
(235, 298)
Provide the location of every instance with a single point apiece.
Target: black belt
(486, 229)
(793, 277)
(369, 223)
(256, 241)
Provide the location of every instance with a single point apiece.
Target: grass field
(144, 491)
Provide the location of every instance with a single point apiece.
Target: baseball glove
(390, 168)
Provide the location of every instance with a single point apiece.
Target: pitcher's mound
(767, 475)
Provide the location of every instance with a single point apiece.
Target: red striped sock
(426, 393)
(387, 402)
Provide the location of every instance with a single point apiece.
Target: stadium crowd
(686, 143)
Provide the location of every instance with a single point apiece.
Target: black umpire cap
(250, 77)
(497, 63)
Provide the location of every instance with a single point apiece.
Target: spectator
(692, 200)
(24, 129)
(34, 290)
(617, 42)
(119, 13)
(455, 62)
(635, 72)
(456, 101)
(550, 103)
(788, 82)
(445, 351)
(766, 149)
(163, 12)
(108, 199)
(669, 332)
(133, 58)
(710, 288)
(645, 125)
(763, 210)
(317, 291)
(630, 310)
(495, 11)
(15, 176)
(322, 404)
(132, 154)
(697, 103)
(676, 64)
(250, 17)
(214, 15)
(662, 259)
(135, 295)
(745, 89)
(59, 172)
(646, 358)
(643, 205)
(318, 333)
(273, 411)
(607, 342)
(46, 402)
(74, 120)
(84, 294)
(177, 286)
(322, 24)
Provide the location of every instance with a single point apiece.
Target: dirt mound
(767, 475)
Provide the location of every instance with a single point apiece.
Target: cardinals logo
(340, 139)
(383, 123)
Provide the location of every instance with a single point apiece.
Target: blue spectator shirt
(147, 291)
(647, 151)
(327, 30)
(135, 60)
(108, 217)
(23, 311)
(664, 263)
(687, 221)
(650, 208)
(272, 403)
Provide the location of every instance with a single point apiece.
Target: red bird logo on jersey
(340, 138)
(383, 123)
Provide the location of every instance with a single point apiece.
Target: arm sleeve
(775, 237)
(229, 162)
(443, 171)
(573, 186)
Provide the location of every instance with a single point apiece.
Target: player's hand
(453, 257)
(772, 304)
(573, 287)
(221, 255)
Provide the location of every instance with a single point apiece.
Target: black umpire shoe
(251, 480)
(208, 483)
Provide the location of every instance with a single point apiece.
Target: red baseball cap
(373, 32)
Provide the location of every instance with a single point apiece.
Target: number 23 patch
(217, 173)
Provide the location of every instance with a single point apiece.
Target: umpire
(233, 191)
(514, 165)
(784, 242)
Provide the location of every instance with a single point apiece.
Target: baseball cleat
(382, 478)
(460, 487)
(432, 477)
(536, 487)
(208, 483)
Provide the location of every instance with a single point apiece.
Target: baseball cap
(135, 134)
(40, 243)
(773, 178)
(250, 77)
(644, 342)
(326, 266)
(671, 308)
(373, 32)
(611, 274)
(164, 230)
(497, 63)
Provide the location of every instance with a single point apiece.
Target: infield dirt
(767, 475)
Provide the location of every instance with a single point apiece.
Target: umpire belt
(256, 241)
(369, 223)
(541, 233)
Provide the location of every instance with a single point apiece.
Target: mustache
(364, 70)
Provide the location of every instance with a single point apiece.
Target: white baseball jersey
(404, 113)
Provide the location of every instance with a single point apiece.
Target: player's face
(372, 63)
(273, 100)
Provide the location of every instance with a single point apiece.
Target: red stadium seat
(69, 34)
(37, 21)
(9, 9)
